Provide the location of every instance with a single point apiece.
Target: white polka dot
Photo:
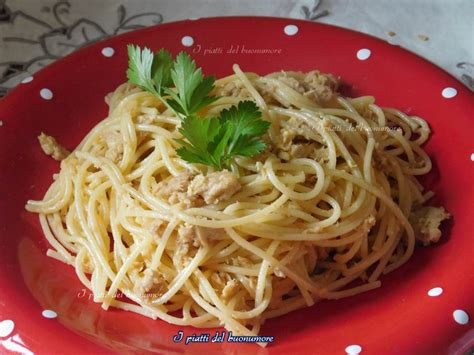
(187, 41)
(353, 349)
(363, 54)
(472, 156)
(46, 94)
(27, 80)
(434, 292)
(291, 30)
(47, 313)
(6, 327)
(461, 316)
(1, 123)
(108, 52)
(449, 93)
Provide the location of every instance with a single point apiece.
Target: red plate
(398, 318)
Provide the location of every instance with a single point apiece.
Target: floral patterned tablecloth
(35, 33)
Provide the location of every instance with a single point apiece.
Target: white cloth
(34, 33)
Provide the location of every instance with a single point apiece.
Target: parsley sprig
(182, 87)
(215, 141)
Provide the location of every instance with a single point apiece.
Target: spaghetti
(321, 214)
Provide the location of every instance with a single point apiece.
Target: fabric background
(34, 33)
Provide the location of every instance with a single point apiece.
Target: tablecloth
(35, 33)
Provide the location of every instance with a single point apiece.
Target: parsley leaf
(244, 123)
(215, 141)
(184, 89)
(140, 62)
(161, 69)
(151, 72)
(199, 132)
(192, 88)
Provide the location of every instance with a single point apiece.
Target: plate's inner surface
(33, 282)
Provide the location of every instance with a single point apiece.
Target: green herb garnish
(215, 141)
(184, 89)
(192, 87)
(144, 73)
